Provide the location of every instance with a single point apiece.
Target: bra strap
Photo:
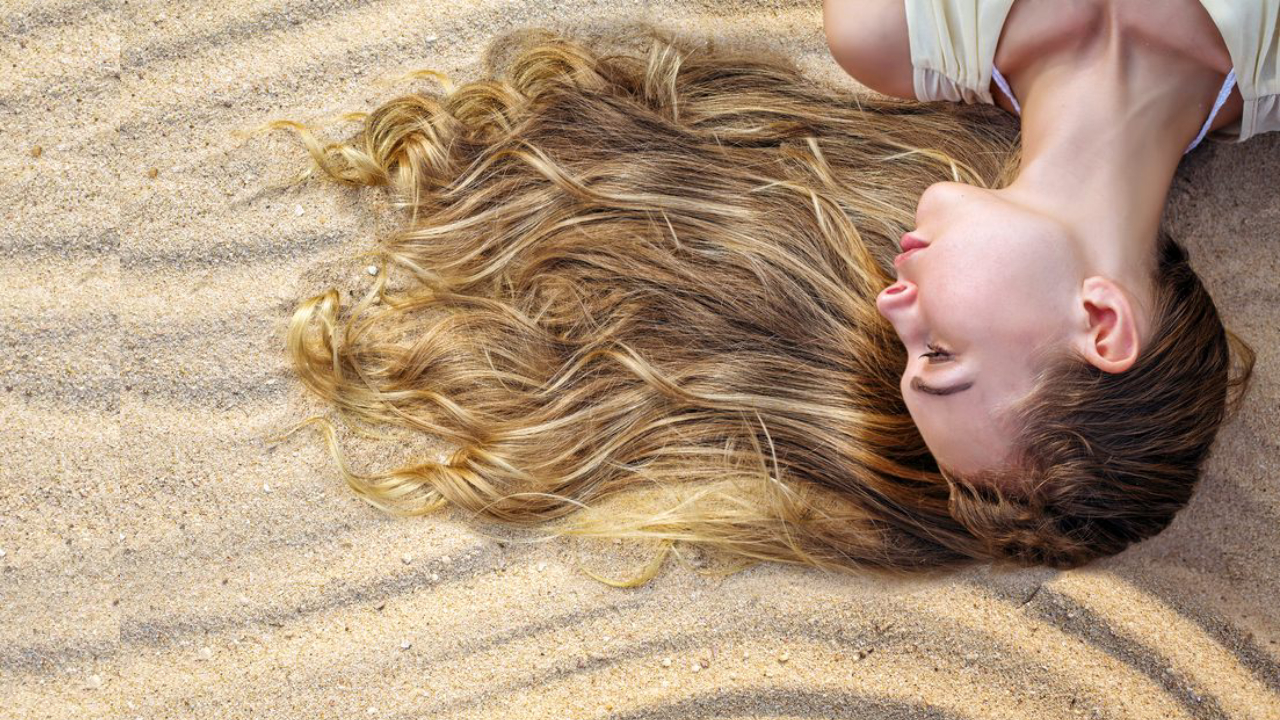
(1004, 87)
(1217, 105)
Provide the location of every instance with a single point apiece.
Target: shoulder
(869, 39)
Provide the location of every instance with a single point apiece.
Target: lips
(911, 242)
(897, 261)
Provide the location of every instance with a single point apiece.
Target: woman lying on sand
(1066, 257)
(657, 270)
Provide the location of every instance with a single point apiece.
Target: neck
(1102, 136)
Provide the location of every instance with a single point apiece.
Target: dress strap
(1004, 87)
(1217, 105)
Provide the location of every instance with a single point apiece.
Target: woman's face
(996, 281)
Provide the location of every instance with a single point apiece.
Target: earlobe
(1111, 339)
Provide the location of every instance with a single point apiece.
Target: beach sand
(162, 558)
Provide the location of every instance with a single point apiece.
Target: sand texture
(161, 558)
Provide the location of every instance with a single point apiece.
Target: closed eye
(936, 354)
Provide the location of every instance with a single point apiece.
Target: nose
(895, 297)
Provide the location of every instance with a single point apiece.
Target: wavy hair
(654, 270)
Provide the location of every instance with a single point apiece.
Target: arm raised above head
(868, 38)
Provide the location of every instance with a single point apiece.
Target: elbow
(871, 44)
(832, 27)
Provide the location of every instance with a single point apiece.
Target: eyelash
(936, 352)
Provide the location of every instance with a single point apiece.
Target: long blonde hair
(651, 271)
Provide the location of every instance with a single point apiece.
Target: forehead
(973, 430)
(965, 431)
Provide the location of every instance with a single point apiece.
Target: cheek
(999, 284)
(959, 310)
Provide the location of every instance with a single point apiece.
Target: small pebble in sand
(266, 488)
(297, 210)
(372, 710)
(2, 552)
(542, 566)
(435, 577)
(407, 559)
(381, 604)
(704, 663)
(37, 151)
(446, 559)
(696, 667)
(206, 653)
(432, 38)
(405, 644)
(95, 681)
(153, 172)
(666, 662)
(617, 541)
(372, 269)
(784, 657)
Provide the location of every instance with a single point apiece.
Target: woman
(1062, 260)
(657, 271)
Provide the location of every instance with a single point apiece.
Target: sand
(161, 558)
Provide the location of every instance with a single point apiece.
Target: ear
(1111, 337)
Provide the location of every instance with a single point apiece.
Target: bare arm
(868, 38)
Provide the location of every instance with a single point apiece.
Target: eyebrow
(918, 385)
